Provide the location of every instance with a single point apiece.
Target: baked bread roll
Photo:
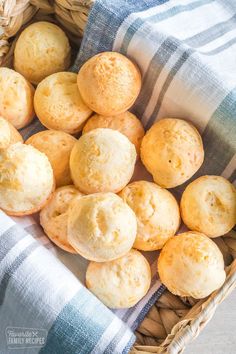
(26, 180)
(41, 50)
(208, 205)
(126, 123)
(57, 146)
(157, 213)
(58, 103)
(172, 151)
(191, 264)
(54, 216)
(16, 98)
(120, 283)
(109, 83)
(102, 160)
(9, 135)
(101, 227)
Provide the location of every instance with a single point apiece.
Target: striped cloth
(186, 50)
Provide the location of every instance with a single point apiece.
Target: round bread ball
(172, 151)
(109, 83)
(58, 103)
(126, 123)
(208, 205)
(26, 180)
(191, 264)
(16, 98)
(121, 283)
(101, 227)
(54, 216)
(102, 160)
(41, 50)
(157, 213)
(57, 146)
(9, 135)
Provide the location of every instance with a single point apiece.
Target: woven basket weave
(173, 321)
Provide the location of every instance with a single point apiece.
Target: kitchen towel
(186, 51)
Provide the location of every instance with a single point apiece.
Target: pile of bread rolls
(95, 211)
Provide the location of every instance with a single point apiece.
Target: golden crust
(157, 213)
(54, 216)
(58, 103)
(57, 146)
(102, 160)
(122, 282)
(16, 98)
(208, 205)
(190, 264)
(41, 50)
(126, 123)
(101, 227)
(26, 180)
(109, 83)
(172, 151)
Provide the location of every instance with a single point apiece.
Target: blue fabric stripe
(104, 20)
(212, 33)
(9, 239)
(70, 335)
(137, 24)
(219, 137)
(156, 296)
(161, 57)
(184, 57)
(13, 268)
(221, 48)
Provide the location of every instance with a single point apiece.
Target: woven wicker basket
(173, 321)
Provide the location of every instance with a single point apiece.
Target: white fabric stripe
(107, 336)
(58, 295)
(14, 252)
(196, 21)
(5, 223)
(140, 306)
(122, 343)
(39, 290)
(230, 168)
(167, 106)
(218, 41)
(144, 15)
(158, 86)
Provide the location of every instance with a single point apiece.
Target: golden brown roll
(126, 123)
(41, 50)
(54, 216)
(208, 205)
(101, 227)
(26, 180)
(102, 160)
(16, 98)
(8, 134)
(157, 213)
(172, 151)
(120, 283)
(58, 103)
(190, 264)
(57, 146)
(109, 83)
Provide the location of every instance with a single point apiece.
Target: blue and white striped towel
(186, 50)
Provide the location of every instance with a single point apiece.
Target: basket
(173, 321)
